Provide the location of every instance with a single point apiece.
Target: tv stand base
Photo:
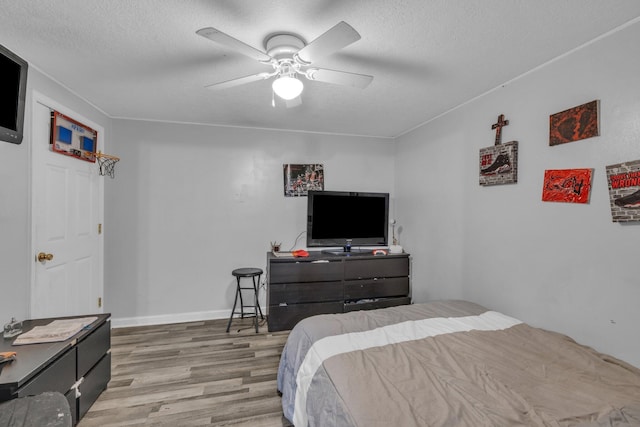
(323, 283)
(342, 252)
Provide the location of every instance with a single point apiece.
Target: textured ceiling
(142, 59)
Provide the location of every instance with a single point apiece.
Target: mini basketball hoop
(107, 163)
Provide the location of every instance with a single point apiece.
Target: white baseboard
(124, 322)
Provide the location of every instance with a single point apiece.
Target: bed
(448, 363)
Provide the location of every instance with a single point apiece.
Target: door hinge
(99, 302)
(99, 228)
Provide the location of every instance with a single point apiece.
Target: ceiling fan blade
(239, 81)
(337, 37)
(228, 41)
(339, 77)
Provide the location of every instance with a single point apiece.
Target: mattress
(448, 363)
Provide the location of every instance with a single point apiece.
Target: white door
(67, 196)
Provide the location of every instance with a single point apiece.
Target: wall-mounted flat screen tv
(13, 88)
(347, 219)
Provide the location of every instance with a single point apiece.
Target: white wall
(565, 267)
(14, 230)
(16, 259)
(191, 203)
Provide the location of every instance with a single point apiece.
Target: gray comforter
(448, 363)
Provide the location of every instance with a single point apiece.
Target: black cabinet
(79, 367)
(325, 283)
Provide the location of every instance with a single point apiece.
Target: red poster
(567, 185)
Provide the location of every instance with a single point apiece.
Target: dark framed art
(574, 124)
(299, 179)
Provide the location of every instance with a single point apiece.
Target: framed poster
(567, 185)
(499, 164)
(574, 124)
(72, 138)
(624, 191)
(300, 178)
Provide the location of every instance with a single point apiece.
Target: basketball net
(107, 164)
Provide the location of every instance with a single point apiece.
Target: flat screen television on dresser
(347, 220)
(13, 88)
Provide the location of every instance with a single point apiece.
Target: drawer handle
(76, 387)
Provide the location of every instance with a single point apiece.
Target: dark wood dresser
(326, 283)
(79, 367)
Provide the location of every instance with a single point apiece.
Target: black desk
(79, 367)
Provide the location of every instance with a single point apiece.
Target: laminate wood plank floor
(192, 374)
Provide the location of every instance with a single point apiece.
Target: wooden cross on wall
(498, 127)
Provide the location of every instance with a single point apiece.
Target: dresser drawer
(289, 293)
(376, 288)
(378, 267)
(93, 383)
(379, 303)
(93, 348)
(282, 318)
(58, 376)
(305, 271)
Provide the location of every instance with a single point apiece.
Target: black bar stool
(253, 273)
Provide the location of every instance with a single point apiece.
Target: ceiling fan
(290, 57)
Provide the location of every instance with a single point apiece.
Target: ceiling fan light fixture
(287, 87)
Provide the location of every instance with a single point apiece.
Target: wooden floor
(192, 374)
